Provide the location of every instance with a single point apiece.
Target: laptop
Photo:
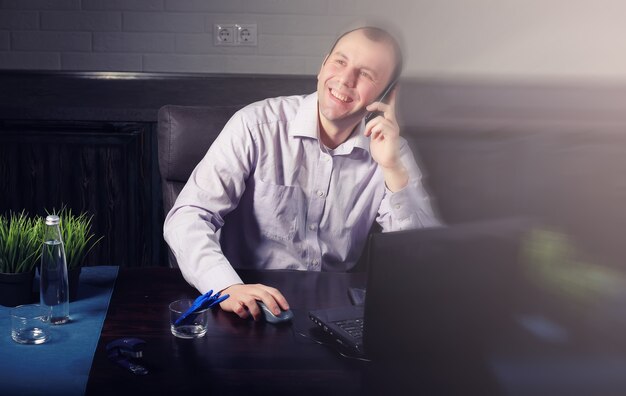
(431, 289)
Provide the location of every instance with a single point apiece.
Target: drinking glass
(29, 324)
(194, 326)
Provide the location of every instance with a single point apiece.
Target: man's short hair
(378, 34)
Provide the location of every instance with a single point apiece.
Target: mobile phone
(381, 98)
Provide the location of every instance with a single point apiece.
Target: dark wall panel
(96, 167)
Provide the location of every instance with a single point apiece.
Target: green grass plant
(78, 239)
(20, 242)
(21, 239)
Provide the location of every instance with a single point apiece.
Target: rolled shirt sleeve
(213, 190)
(410, 207)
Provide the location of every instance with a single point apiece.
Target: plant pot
(73, 280)
(16, 289)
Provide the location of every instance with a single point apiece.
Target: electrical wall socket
(235, 34)
(245, 34)
(224, 34)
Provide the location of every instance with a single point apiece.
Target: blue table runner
(60, 366)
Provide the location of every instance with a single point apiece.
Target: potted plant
(20, 250)
(78, 240)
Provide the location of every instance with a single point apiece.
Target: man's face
(353, 76)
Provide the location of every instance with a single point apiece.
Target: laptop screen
(508, 307)
(442, 289)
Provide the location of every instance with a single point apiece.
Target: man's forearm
(396, 178)
(197, 249)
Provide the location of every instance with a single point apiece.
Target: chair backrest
(185, 133)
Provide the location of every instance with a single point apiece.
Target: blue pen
(206, 300)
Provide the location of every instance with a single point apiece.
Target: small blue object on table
(60, 366)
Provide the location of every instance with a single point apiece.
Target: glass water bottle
(53, 285)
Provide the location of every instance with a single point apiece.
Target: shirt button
(312, 227)
(315, 262)
(397, 206)
(320, 193)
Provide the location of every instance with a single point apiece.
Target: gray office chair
(185, 133)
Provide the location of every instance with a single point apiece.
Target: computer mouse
(284, 316)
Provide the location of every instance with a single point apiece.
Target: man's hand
(243, 300)
(384, 134)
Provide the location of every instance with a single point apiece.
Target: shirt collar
(305, 124)
(358, 139)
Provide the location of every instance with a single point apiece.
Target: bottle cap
(52, 220)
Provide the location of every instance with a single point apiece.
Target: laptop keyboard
(354, 327)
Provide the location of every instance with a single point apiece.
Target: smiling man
(302, 179)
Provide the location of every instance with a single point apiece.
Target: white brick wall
(450, 38)
(133, 42)
(50, 41)
(40, 4)
(172, 22)
(303, 25)
(231, 6)
(202, 43)
(165, 35)
(123, 5)
(30, 60)
(265, 64)
(19, 20)
(100, 62)
(86, 21)
(184, 63)
(294, 7)
(292, 45)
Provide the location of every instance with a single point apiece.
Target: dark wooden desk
(242, 357)
(236, 356)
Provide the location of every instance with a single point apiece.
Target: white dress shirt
(286, 200)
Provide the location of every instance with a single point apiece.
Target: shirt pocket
(277, 209)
